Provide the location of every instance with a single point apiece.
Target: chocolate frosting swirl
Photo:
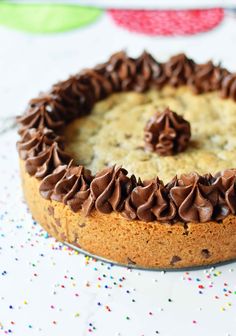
(121, 70)
(202, 198)
(43, 111)
(77, 98)
(47, 185)
(46, 161)
(190, 197)
(206, 77)
(228, 89)
(148, 71)
(98, 84)
(108, 190)
(149, 202)
(67, 184)
(178, 69)
(227, 199)
(167, 133)
(36, 141)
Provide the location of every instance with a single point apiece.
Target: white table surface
(48, 290)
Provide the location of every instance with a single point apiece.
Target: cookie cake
(134, 161)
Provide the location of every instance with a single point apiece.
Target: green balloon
(46, 18)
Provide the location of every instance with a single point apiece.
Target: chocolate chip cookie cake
(134, 161)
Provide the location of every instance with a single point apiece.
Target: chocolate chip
(131, 262)
(63, 236)
(186, 229)
(54, 227)
(175, 259)
(58, 222)
(82, 225)
(51, 210)
(75, 243)
(205, 253)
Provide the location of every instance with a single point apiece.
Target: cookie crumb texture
(114, 133)
(150, 245)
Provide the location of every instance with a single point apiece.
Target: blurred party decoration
(46, 18)
(168, 22)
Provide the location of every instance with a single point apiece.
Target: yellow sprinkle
(222, 309)
(77, 314)
(25, 302)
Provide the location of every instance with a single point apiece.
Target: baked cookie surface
(113, 134)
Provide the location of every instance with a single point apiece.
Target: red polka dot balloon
(168, 22)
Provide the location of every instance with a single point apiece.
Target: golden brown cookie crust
(149, 245)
